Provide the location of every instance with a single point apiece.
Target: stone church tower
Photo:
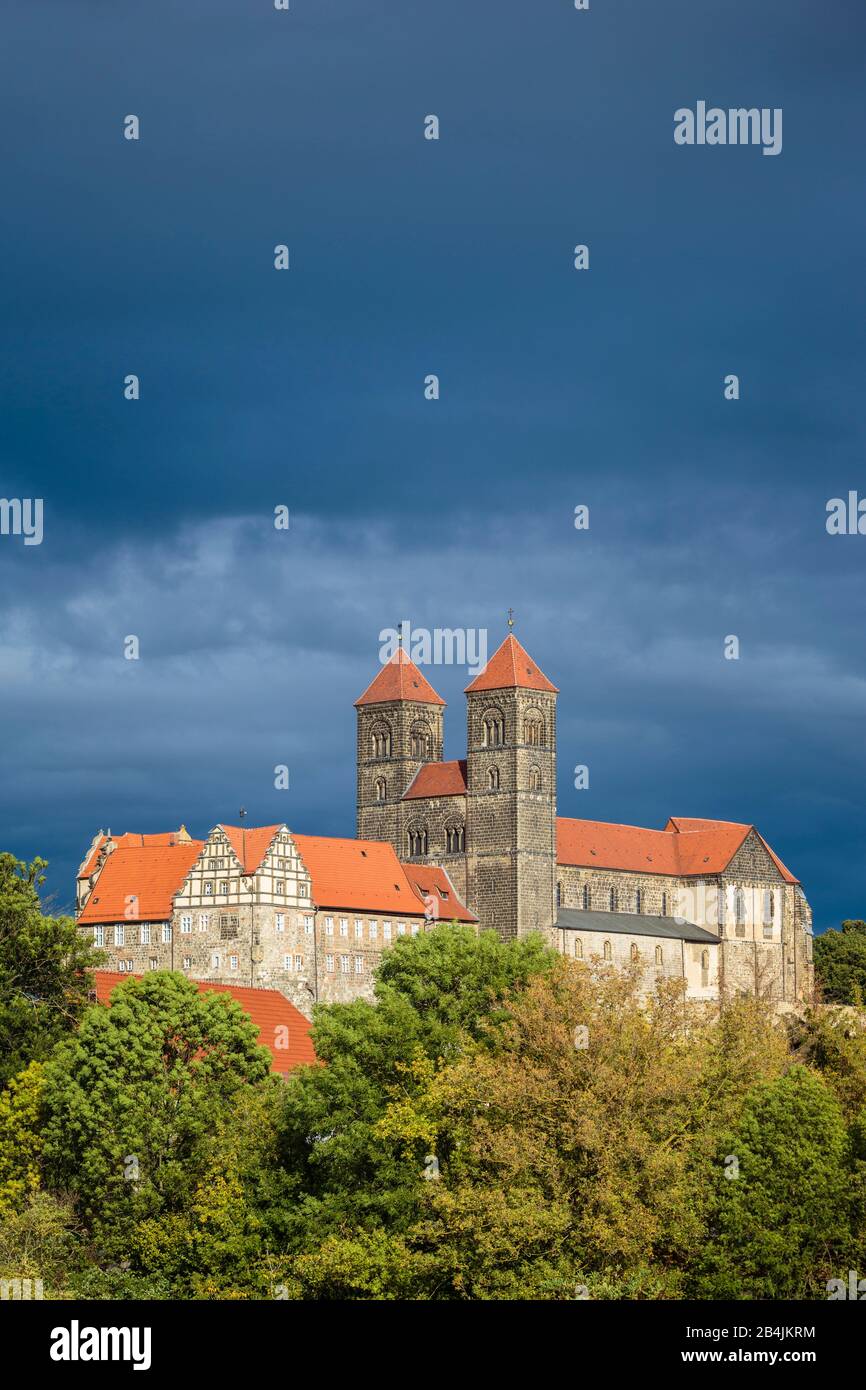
(399, 728)
(511, 794)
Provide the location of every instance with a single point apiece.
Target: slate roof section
(632, 924)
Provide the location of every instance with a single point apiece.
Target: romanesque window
(769, 913)
(381, 789)
(664, 908)
(533, 729)
(578, 949)
(637, 901)
(493, 779)
(607, 953)
(455, 839)
(705, 968)
(380, 741)
(421, 740)
(493, 729)
(416, 839)
(740, 912)
(586, 896)
(658, 955)
(534, 780)
(613, 900)
(635, 953)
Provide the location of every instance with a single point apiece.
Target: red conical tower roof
(399, 679)
(511, 667)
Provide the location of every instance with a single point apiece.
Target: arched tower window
(578, 948)
(613, 900)
(381, 789)
(534, 779)
(455, 839)
(533, 729)
(659, 960)
(380, 741)
(493, 728)
(635, 953)
(638, 900)
(493, 779)
(416, 840)
(664, 908)
(607, 953)
(421, 740)
(586, 896)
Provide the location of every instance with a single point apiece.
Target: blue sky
(707, 517)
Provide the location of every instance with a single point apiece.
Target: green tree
(780, 1208)
(45, 967)
(840, 963)
(20, 1138)
(132, 1100)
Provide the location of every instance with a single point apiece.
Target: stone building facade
(476, 840)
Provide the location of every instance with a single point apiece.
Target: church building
(473, 840)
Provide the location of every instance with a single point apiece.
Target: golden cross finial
(510, 618)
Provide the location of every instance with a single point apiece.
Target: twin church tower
(489, 819)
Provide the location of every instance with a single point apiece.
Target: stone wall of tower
(435, 815)
(383, 819)
(511, 827)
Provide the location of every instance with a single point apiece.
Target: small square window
(299, 962)
(166, 931)
(187, 962)
(287, 962)
(186, 924)
(329, 963)
(359, 929)
(214, 962)
(359, 965)
(208, 890)
(280, 921)
(153, 963)
(344, 926)
(374, 931)
(145, 933)
(233, 962)
(329, 926)
(203, 921)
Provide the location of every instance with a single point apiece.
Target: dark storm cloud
(305, 389)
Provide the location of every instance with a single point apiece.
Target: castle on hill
(476, 840)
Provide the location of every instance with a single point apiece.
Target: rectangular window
(279, 887)
(186, 924)
(344, 926)
(233, 962)
(329, 926)
(280, 921)
(329, 963)
(224, 888)
(216, 865)
(299, 962)
(308, 925)
(208, 890)
(344, 964)
(187, 962)
(214, 962)
(145, 933)
(153, 963)
(287, 962)
(374, 931)
(203, 921)
(401, 928)
(415, 928)
(359, 965)
(99, 936)
(119, 935)
(166, 931)
(386, 931)
(359, 929)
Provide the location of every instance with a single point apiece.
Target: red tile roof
(399, 679)
(362, 874)
(129, 839)
(509, 667)
(283, 1030)
(438, 779)
(145, 879)
(250, 844)
(683, 848)
(429, 879)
